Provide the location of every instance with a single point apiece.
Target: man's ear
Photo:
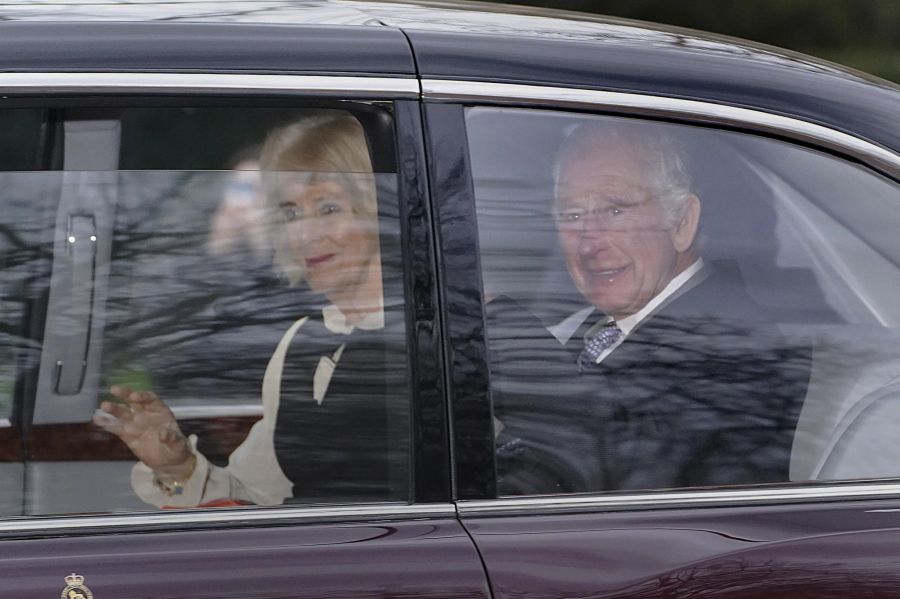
(686, 228)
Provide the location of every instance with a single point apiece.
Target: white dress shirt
(253, 473)
(564, 330)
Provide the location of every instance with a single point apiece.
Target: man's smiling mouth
(608, 273)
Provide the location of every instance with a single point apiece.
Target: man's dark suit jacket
(705, 391)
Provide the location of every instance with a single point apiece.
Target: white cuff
(144, 484)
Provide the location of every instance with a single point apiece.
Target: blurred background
(863, 34)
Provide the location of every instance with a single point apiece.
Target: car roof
(445, 41)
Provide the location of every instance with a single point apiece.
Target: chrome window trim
(874, 155)
(678, 499)
(218, 516)
(160, 83)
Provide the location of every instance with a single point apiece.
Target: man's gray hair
(664, 174)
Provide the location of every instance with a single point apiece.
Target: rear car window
(196, 252)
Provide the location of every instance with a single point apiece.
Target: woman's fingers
(146, 424)
(121, 391)
(117, 410)
(142, 398)
(109, 423)
(139, 400)
(147, 401)
(140, 417)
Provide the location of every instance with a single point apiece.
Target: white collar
(564, 330)
(627, 324)
(336, 322)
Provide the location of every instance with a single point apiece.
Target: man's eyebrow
(621, 200)
(610, 197)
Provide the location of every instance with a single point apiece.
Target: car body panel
(427, 558)
(203, 47)
(802, 550)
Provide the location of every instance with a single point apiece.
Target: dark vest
(355, 445)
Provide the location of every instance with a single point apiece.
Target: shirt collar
(336, 322)
(628, 324)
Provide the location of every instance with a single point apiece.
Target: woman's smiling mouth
(314, 261)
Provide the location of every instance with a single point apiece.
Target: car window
(671, 306)
(243, 265)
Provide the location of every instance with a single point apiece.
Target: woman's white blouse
(253, 473)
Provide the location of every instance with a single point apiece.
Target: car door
(574, 491)
(139, 250)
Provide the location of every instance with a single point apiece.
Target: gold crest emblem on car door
(75, 588)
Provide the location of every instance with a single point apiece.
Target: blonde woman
(326, 425)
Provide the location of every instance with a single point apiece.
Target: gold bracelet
(174, 487)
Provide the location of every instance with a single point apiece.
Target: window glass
(214, 291)
(672, 306)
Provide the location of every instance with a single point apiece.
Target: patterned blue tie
(605, 338)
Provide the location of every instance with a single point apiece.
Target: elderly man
(675, 377)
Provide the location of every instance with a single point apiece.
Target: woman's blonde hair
(333, 143)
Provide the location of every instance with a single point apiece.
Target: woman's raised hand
(146, 424)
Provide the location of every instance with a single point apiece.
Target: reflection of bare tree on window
(26, 248)
(176, 311)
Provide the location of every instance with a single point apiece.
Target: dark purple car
(636, 329)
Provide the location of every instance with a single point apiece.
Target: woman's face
(334, 243)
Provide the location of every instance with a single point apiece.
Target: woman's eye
(290, 213)
(329, 208)
(615, 211)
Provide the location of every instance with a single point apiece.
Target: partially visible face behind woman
(329, 238)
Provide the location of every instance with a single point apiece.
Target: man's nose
(592, 238)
